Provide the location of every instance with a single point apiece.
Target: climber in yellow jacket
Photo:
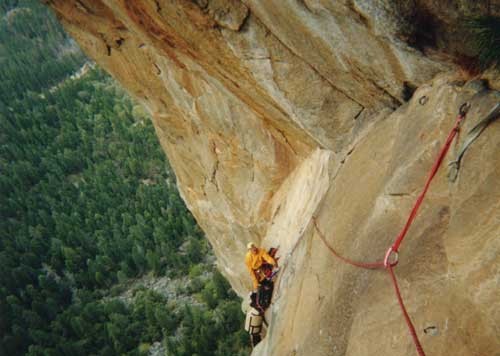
(254, 260)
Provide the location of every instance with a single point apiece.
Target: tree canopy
(89, 205)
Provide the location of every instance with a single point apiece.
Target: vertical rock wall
(448, 264)
(272, 112)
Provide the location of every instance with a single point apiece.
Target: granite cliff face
(272, 112)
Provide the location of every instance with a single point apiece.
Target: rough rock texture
(272, 112)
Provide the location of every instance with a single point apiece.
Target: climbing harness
(391, 256)
(264, 295)
(472, 135)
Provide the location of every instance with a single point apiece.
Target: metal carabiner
(423, 100)
(464, 108)
(387, 258)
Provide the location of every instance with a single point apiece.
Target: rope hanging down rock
(391, 256)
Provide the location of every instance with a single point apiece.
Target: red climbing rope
(393, 250)
(372, 265)
(411, 328)
(435, 168)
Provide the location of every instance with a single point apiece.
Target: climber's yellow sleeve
(267, 257)
(250, 261)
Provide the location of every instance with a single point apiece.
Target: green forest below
(89, 208)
